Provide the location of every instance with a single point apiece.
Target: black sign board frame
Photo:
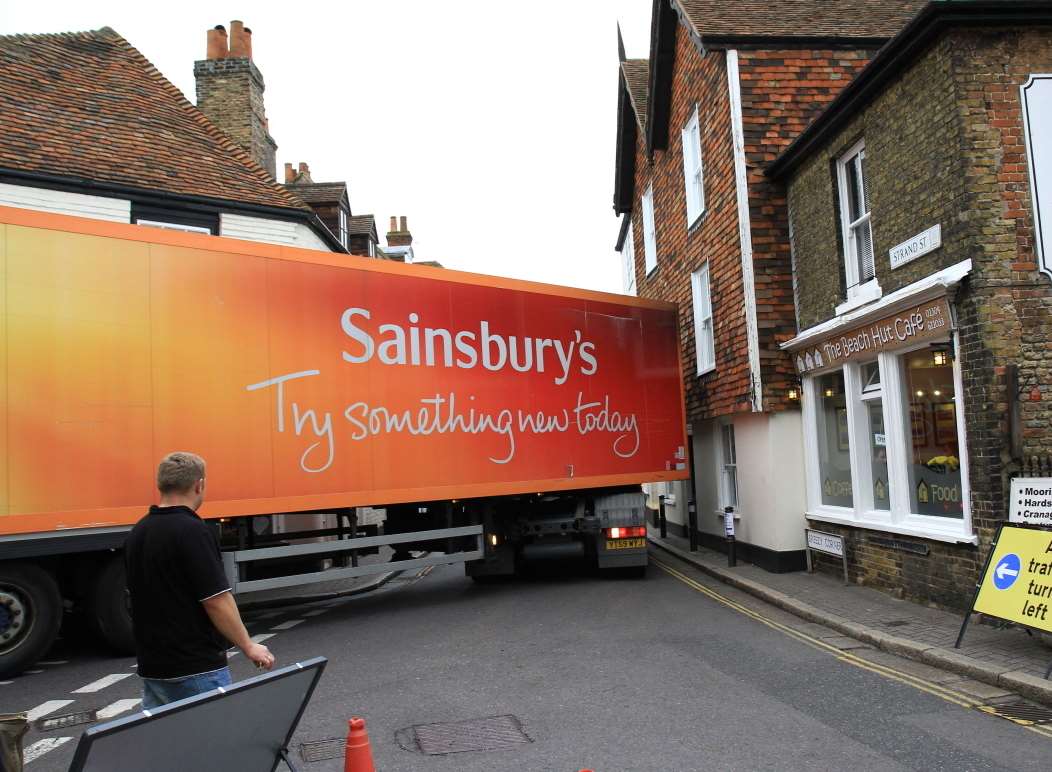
(128, 723)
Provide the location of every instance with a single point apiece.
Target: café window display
(883, 444)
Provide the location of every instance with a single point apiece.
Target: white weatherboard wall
(286, 234)
(60, 202)
(771, 490)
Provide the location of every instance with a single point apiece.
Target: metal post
(692, 505)
(728, 528)
(692, 524)
(662, 523)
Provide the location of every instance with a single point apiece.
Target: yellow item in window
(944, 463)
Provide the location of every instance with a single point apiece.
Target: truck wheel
(109, 611)
(30, 615)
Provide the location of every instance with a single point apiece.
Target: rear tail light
(626, 532)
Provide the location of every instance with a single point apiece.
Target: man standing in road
(183, 611)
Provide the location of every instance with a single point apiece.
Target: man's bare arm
(222, 610)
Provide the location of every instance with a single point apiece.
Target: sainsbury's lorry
(489, 420)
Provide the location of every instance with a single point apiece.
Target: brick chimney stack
(400, 237)
(298, 177)
(230, 92)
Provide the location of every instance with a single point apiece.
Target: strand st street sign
(913, 325)
(1031, 501)
(1017, 585)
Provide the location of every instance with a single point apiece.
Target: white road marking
(40, 747)
(102, 683)
(31, 672)
(288, 625)
(118, 707)
(47, 707)
(6, 683)
(260, 637)
(316, 612)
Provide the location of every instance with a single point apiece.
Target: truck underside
(43, 576)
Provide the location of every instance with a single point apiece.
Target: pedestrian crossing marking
(40, 747)
(102, 683)
(45, 708)
(289, 624)
(118, 707)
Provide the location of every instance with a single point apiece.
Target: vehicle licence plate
(626, 544)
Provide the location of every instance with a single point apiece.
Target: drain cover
(1021, 712)
(320, 750)
(897, 623)
(66, 719)
(496, 733)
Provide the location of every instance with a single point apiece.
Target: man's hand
(259, 654)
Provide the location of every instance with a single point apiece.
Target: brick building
(924, 314)
(725, 89)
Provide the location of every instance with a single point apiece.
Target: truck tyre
(30, 615)
(108, 607)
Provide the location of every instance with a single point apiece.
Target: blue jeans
(157, 692)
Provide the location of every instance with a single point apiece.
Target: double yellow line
(942, 692)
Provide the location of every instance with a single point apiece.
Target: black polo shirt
(173, 563)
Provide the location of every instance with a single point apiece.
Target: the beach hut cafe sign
(912, 325)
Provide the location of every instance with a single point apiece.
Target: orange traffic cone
(359, 756)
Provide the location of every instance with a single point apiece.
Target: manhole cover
(497, 733)
(320, 750)
(1021, 712)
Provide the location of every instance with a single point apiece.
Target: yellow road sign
(1018, 581)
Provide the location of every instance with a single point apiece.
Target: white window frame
(899, 518)
(728, 468)
(858, 292)
(704, 326)
(175, 226)
(693, 169)
(343, 227)
(628, 261)
(372, 248)
(649, 235)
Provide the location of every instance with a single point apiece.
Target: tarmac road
(672, 672)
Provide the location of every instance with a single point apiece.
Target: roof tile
(89, 105)
(800, 18)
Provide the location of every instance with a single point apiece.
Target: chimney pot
(404, 227)
(304, 169)
(216, 43)
(394, 224)
(289, 174)
(240, 43)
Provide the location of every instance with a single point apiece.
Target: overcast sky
(490, 125)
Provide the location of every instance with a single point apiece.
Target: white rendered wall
(59, 202)
(770, 479)
(281, 232)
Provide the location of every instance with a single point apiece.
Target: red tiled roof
(637, 76)
(89, 105)
(318, 192)
(799, 18)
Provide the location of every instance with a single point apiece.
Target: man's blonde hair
(178, 472)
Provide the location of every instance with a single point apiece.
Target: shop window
(883, 446)
(834, 442)
(934, 457)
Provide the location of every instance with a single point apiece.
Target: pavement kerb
(1030, 686)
